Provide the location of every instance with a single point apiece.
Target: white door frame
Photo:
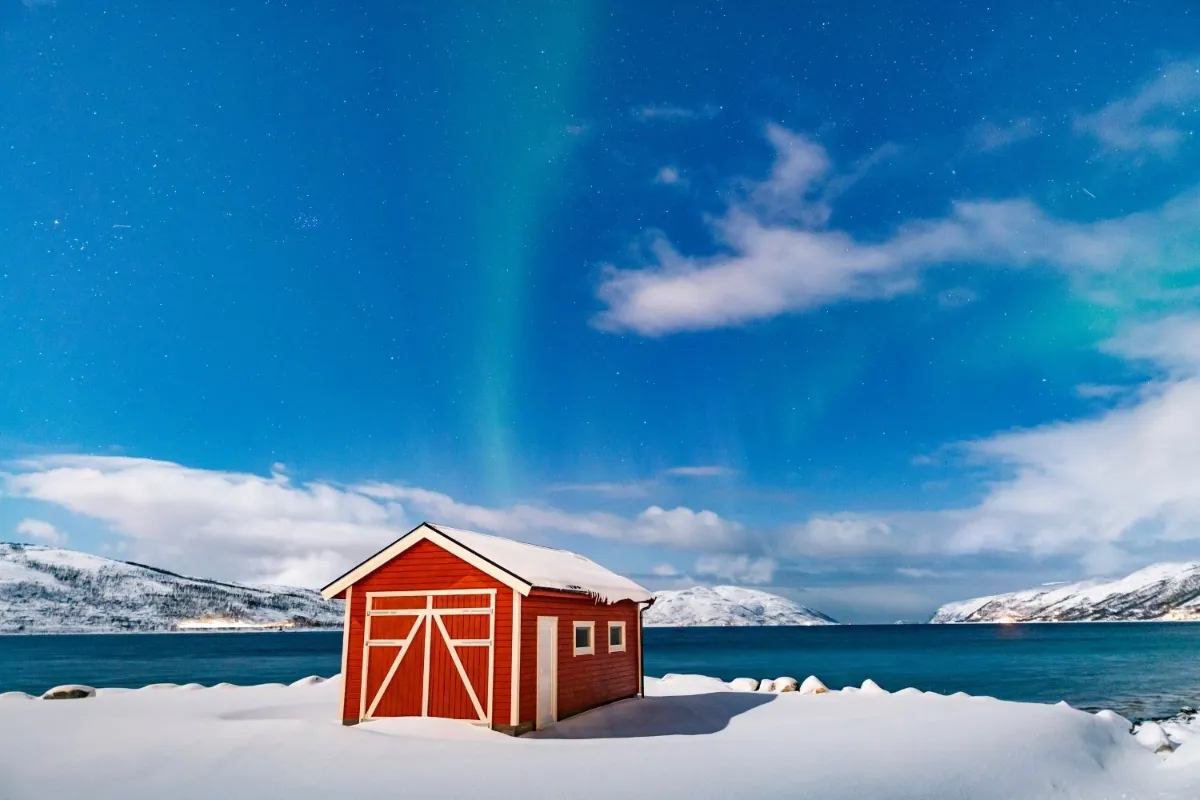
(429, 619)
(550, 624)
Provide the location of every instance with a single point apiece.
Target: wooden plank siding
(584, 681)
(427, 567)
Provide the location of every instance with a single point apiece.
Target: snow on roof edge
(547, 567)
(515, 563)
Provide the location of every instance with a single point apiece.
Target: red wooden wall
(583, 681)
(425, 566)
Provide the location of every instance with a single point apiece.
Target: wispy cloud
(704, 471)
(668, 112)
(777, 255)
(41, 531)
(989, 136)
(1156, 118)
(668, 176)
(610, 489)
(737, 569)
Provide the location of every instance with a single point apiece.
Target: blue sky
(876, 307)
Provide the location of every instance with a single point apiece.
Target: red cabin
(450, 623)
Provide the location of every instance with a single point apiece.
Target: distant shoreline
(842, 625)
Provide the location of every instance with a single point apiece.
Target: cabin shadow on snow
(683, 715)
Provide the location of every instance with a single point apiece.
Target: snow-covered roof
(519, 565)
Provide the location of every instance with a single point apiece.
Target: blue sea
(1141, 670)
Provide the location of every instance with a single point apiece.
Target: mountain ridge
(46, 589)
(727, 606)
(1167, 591)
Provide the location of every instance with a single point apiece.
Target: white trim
(612, 626)
(429, 616)
(422, 612)
(514, 714)
(575, 648)
(437, 593)
(425, 674)
(345, 655)
(491, 660)
(420, 534)
(366, 654)
(641, 658)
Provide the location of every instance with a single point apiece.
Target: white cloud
(737, 569)
(248, 527)
(668, 176)
(1103, 489)
(41, 531)
(1155, 119)
(989, 136)
(777, 256)
(665, 571)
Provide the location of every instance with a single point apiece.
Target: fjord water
(1141, 670)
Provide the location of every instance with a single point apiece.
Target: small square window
(616, 637)
(585, 638)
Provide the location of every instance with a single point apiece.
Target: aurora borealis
(830, 299)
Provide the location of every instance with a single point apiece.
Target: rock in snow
(1159, 592)
(52, 590)
(871, 687)
(727, 606)
(744, 685)
(1151, 736)
(786, 685)
(70, 691)
(812, 685)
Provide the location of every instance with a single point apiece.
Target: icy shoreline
(690, 737)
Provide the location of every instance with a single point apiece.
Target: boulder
(1151, 736)
(743, 684)
(786, 685)
(766, 685)
(70, 691)
(871, 687)
(15, 696)
(812, 685)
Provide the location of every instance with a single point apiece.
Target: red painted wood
(425, 567)
(583, 681)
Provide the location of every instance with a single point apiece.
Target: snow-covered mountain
(51, 590)
(1158, 592)
(727, 606)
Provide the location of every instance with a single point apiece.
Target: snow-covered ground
(692, 737)
(727, 606)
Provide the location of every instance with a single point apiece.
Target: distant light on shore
(219, 623)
